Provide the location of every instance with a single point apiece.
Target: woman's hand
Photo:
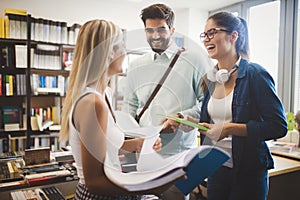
(157, 145)
(139, 144)
(216, 132)
(187, 128)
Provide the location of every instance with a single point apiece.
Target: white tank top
(114, 139)
(220, 112)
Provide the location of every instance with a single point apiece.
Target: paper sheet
(132, 129)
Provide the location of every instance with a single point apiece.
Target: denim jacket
(256, 104)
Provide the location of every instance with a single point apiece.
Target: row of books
(47, 113)
(14, 26)
(11, 85)
(17, 26)
(49, 193)
(46, 57)
(33, 167)
(13, 56)
(10, 155)
(9, 147)
(48, 84)
(47, 140)
(12, 145)
(42, 57)
(46, 81)
(53, 31)
(9, 170)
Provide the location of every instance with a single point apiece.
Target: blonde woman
(87, 118)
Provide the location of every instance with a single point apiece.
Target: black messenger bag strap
(161, 82)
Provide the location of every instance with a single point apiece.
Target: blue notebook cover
(201, 166)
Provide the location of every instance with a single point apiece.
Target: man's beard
(162, 48)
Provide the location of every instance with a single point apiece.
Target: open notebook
(153, 170)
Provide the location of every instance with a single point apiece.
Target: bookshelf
(35, 61)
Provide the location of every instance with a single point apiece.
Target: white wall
(190, 22)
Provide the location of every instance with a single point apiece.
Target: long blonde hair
(94, 45)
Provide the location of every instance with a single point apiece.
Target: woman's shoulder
(253, 67)
(88, 110)
(256, 72)
(90, 101)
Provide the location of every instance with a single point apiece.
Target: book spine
(0, 84)
(13, 145)
(2, 28)
(10, 170)
(21, 56)
(6, 26)
(1, 147)
(12, 26)
(23, 27)
(11, 85)
(7, 85)
(18, 85)
(5, 145)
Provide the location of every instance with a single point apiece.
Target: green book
(186, 122)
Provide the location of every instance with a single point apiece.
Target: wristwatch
(180, 115)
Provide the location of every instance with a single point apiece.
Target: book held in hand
(153, 170)
(186, 122)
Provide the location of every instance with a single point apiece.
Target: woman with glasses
(241, 110)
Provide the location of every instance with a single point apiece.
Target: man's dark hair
(158, 11)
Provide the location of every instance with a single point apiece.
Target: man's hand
(170, 125)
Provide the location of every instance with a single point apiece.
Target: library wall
(188, 21)
(76, 11)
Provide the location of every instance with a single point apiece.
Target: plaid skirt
(82, 193)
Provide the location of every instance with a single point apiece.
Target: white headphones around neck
(221, 76)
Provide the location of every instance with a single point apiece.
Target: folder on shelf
(14, 11)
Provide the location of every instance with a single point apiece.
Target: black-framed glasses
(210, 34)
(160, 30)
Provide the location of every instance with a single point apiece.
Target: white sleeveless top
(114, 139)
(220, 112)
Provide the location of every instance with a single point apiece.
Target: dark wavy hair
(158, 11)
